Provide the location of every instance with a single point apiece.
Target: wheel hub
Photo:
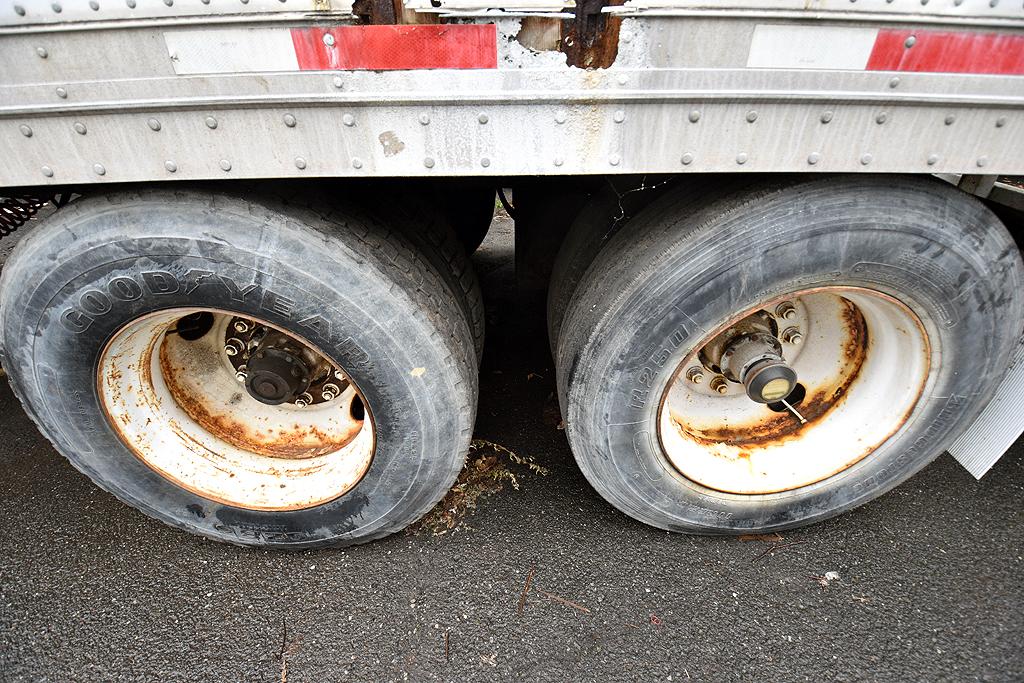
(276, 376)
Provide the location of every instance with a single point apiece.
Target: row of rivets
(485, 162)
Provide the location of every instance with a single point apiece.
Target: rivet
(168, 2)
(866, 159)
(1000, 122)
(245, 2)
(687, 159)
(626, 36)
(62, 93)
(25, 130)
(80, 128)
(933, 159)
(57, 8)
(560, 117)
(130, 3)
(741, 158)
(47, 171)
(482, 118)
(751, 116)
(894, 81)
(614, 160)
(694, 116)
(950, 119)
(826, 116)
(153, 124)
(924, 2)
(982, 161)
(99, 170)
(338, 83)
(300, 163)
(171, 166)
(289, 120)
(94, 6)
(559, 161)
(619, 116)
(211, 122)
(19, 10)
(622, 79)
(357, 162)
(205, 2)
(485, 162)
(41, 51)
(424, 119)
(958, 2)
(329, 39)
(909, 42)
(428, 162)
(813, 158)
(993, 3)
(348, 120)
(225, 165)
(881, 118)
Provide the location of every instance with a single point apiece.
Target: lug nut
(242, 326)
(785, 310)
(695, 375)
(791, 335)
(304, 399)
(233, 346)
(330, 391)
(719, 384)
(240, 374)
(338, 374)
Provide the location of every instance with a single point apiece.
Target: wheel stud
(241, 326)
(719, 384)
(330, 391)
(791, 335)
(240, 373)
(695, 375)
(233, 346)
(786, 310)
(304, 400)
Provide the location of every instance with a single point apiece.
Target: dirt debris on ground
(489, 467)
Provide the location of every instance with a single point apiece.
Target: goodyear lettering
(97, 302)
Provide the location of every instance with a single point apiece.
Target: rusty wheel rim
(863, 359)
(181, 406)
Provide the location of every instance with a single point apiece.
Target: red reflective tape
(381, 48)
(947, 52)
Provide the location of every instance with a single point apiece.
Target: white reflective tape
(998, 426)
(231, 50)
(810, 47)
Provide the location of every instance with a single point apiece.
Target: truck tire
(896, 302)
(251, 371)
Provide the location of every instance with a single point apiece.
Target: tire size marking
(645, 378)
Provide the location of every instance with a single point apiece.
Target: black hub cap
(276, 376)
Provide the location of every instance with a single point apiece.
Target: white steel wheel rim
(864, 361)
(221, 443)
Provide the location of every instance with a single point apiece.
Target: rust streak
(782, 427)
(300, 442)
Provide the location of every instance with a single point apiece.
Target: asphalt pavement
(925, 583)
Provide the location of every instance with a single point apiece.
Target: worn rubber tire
(387, 313)
(678, 269)
(608, 208)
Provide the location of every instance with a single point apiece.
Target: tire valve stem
(793, 410)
